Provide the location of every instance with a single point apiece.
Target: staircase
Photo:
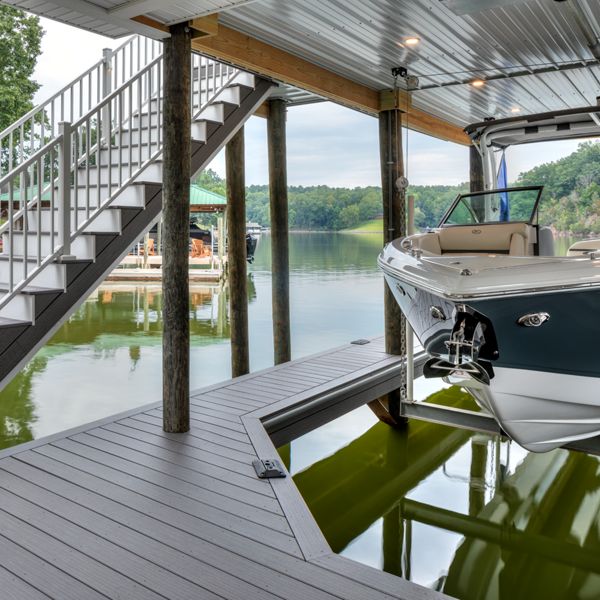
(81, 181)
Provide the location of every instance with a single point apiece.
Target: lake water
(107, 357)
(469, 514)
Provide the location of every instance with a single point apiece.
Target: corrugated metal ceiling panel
(71, 17)
(182, 10)
(363, 40)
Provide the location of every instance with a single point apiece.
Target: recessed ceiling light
(412, 41)
(478, 82)
(515, 109)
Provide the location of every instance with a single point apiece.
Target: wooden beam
(249, 53)
(262, 110)
(254, 55)
(418, 120)
(205, 26)
(144, 20)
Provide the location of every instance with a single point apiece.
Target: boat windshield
(495, 206)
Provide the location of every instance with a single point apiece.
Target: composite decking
(120, 509)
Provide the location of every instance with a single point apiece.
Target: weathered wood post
(176, 201)
(394, 226)
(476, 169)
(236, 250)
(279, 230)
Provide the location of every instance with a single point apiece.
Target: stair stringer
(84, 276)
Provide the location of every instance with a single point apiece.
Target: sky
(327, 144)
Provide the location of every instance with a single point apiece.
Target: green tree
(20, 42)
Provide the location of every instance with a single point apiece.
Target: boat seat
(584, 247)
(515, 239)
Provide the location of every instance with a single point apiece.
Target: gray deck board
(205, 431)
(14, 588)
(120, 509)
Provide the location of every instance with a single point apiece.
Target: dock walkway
(119, 509)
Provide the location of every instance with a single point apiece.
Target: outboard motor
(472, 343)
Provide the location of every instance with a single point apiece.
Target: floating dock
(120, 509)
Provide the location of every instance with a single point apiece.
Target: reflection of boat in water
(511, 526)
(493, 306)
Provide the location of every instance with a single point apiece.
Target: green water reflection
(107, 357)
(470, 515)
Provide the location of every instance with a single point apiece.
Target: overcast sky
(327, 144)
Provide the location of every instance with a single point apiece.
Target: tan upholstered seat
(516, 239)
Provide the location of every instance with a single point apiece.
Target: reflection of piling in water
(348, 491)
(540, 529)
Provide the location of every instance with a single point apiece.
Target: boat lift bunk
(491, 137)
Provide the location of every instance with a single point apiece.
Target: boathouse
(164, 501)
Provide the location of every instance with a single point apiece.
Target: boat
(207, 237)
(496, 310)
(253, 228)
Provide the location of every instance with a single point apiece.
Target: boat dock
(120, 509)
(155, 274)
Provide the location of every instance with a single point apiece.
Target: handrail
(41, 123)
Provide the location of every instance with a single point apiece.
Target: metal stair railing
(27, 135)
(58, 175)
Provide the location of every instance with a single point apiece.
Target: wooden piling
(279, 230)
(176, 200)
(238, 286)
(394, 226)
(476, 170)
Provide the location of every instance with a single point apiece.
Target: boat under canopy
(493, 306)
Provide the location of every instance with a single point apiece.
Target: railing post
(64, 190)
(106, 90)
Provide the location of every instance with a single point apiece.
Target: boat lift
(489, 137)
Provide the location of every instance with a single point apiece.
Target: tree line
(324, 208)
(570, 202)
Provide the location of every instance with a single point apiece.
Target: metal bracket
(399, 72)
(267, 468)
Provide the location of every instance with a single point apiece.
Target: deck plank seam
(196, 484)
(121, 522)
(201, 427)
(248, 474)
(53, 567)
(146, 498)
(133, 553)
(204, 501)
(179, 448)
(61, 542)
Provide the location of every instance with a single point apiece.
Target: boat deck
(120, 509)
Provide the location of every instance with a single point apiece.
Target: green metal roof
(200, 197)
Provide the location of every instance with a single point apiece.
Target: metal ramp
(80, 178)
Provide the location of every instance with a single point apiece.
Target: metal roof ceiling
(496, 40)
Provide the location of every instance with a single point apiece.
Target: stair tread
(33, 290)
(5, 322)
(19, 257)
